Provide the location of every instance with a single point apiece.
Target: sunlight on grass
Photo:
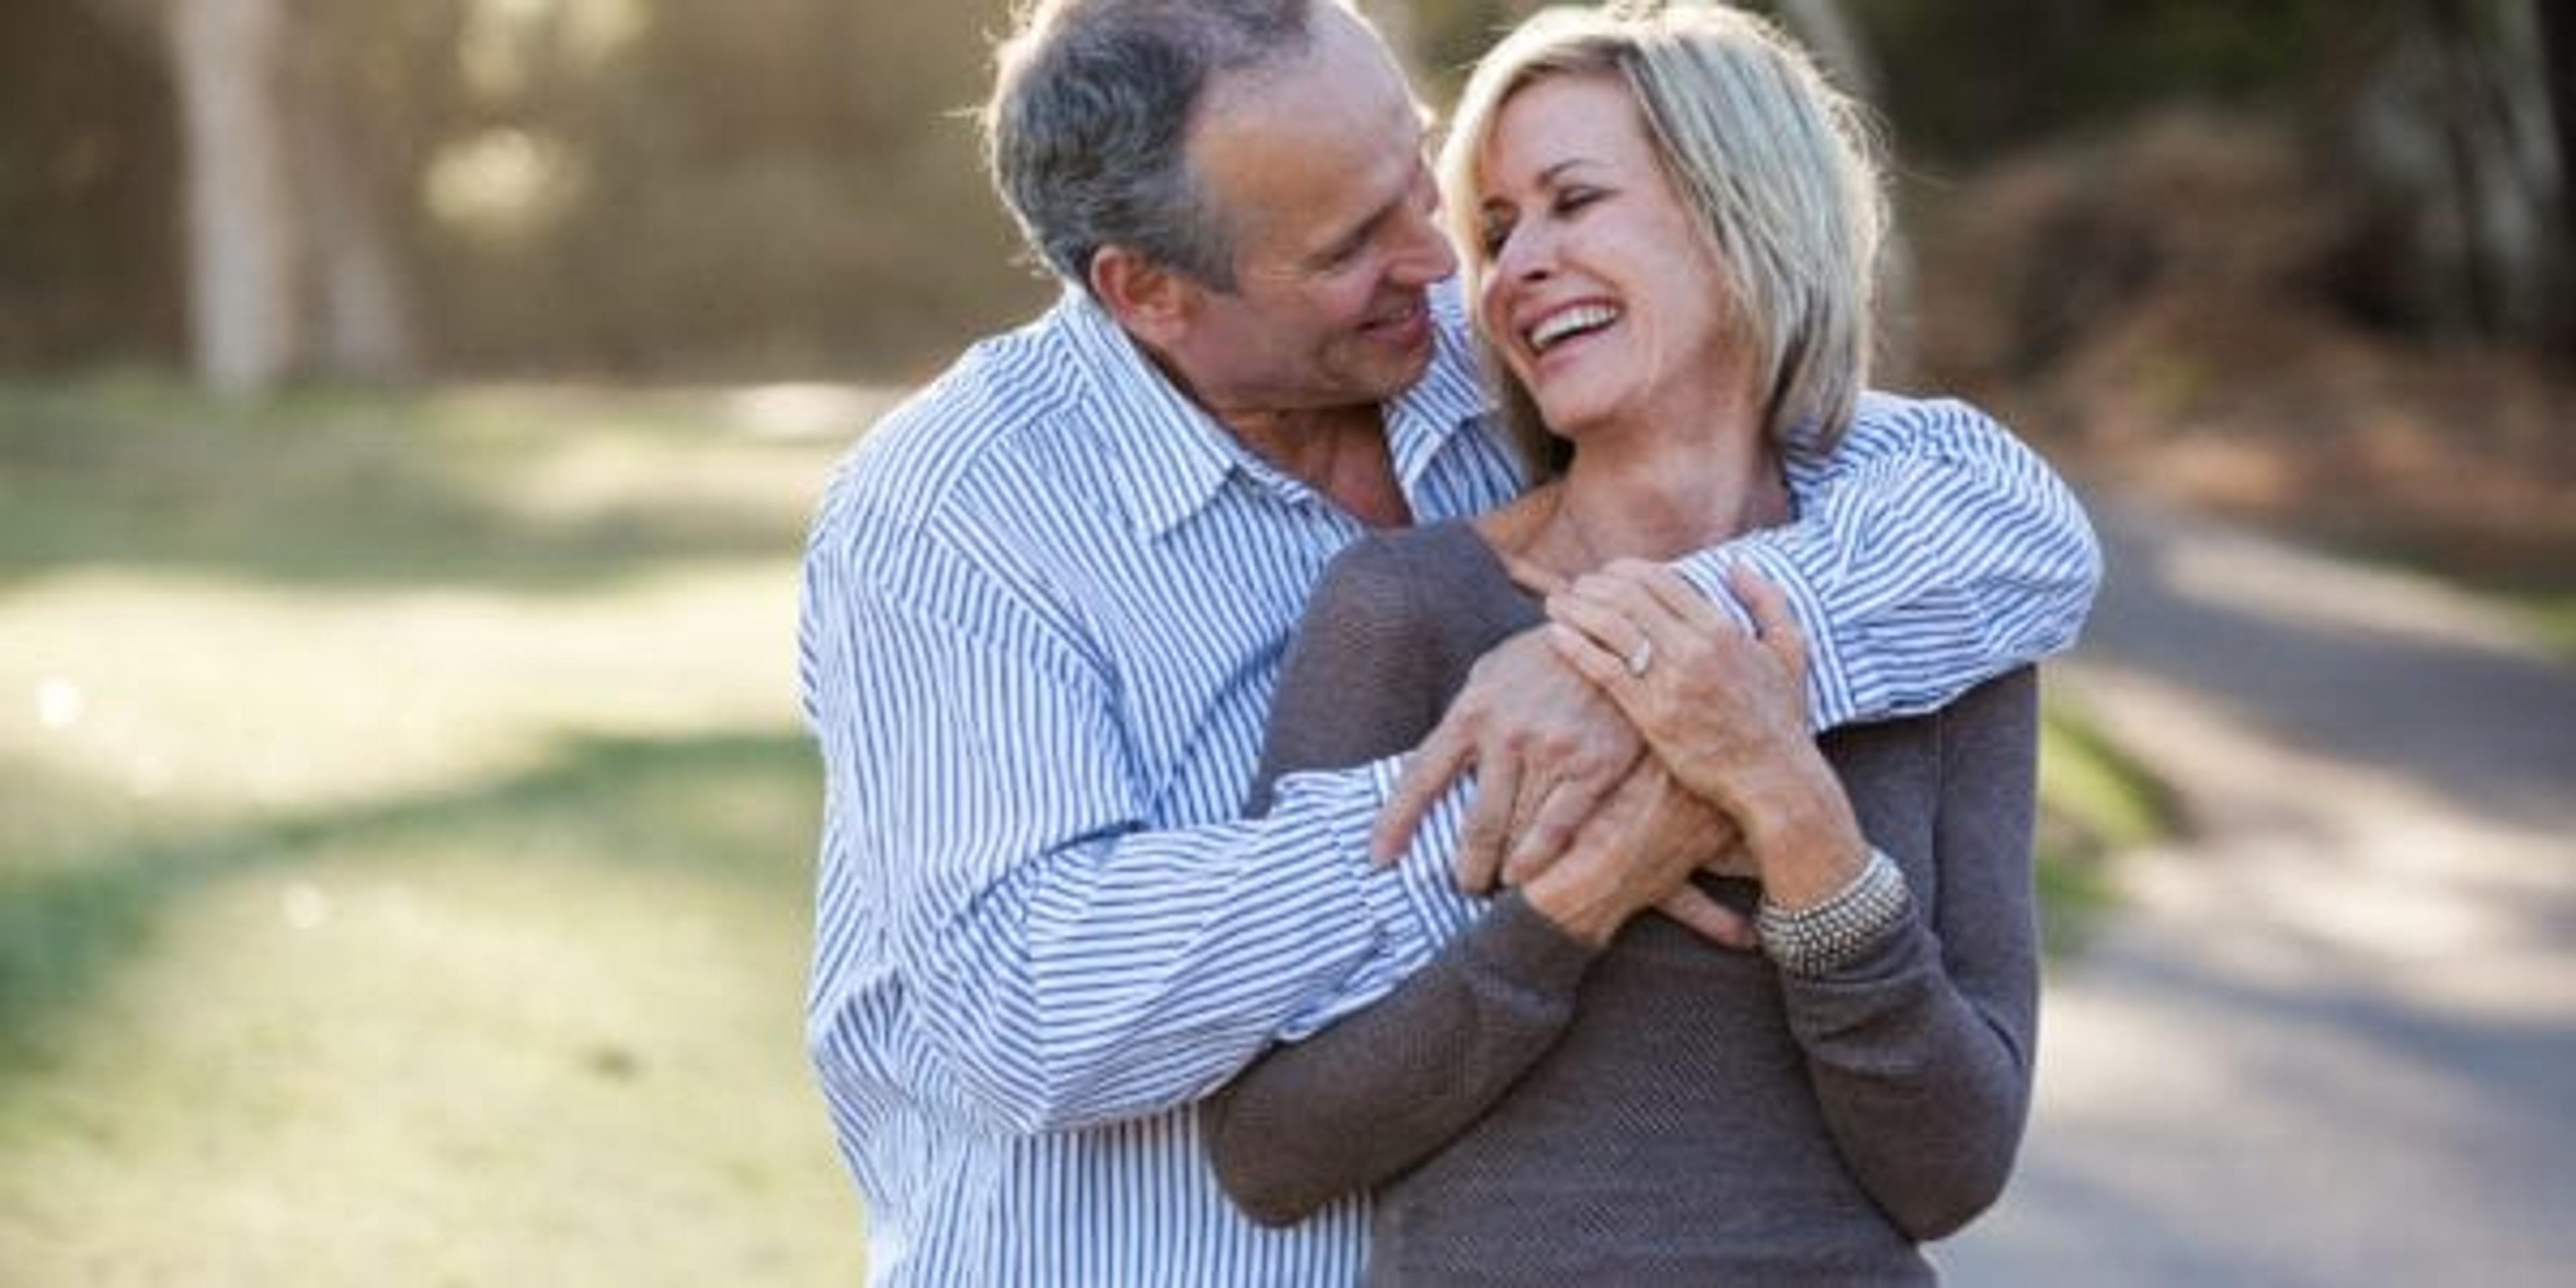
(545, 1035)
(405, 842)
(200, 695)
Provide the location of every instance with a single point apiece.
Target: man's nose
(1426, 255)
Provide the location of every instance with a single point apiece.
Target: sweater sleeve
(1921, 1053)
(1378, 1091)
(1363, 676)
(1369, 1097)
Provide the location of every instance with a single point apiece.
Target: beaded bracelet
(1824, 937)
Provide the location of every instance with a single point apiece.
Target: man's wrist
(1581, 904)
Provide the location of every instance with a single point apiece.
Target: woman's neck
(1648, 497)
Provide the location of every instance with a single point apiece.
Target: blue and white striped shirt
(1045, 605)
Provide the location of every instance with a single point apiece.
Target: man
(1046, 602)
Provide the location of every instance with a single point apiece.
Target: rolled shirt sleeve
(1931, 551)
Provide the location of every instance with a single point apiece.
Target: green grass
(405, 842)
(2095, 801)
(2553, 617)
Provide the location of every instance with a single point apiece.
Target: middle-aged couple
(1156, 948)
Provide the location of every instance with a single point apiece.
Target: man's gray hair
(1087, 130)
(1779, 167)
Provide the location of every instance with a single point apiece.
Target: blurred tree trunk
(240, 206)
(293, 262)
(2558, 72)
(356, 288)
(1838, 43)
(2492, 105)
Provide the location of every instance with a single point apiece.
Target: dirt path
(2332, 1038)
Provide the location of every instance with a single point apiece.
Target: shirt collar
(1450, 395)
(1172, 457)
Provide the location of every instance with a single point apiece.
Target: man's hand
(1547, 746)
(1639, 851)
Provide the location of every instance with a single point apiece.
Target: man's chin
(1394, 361)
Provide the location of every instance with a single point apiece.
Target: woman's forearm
(1921, 1050)
(1378, 1092)
(1924, 1090)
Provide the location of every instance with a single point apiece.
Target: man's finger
(1551, 830)
(1426, 778)
(1489, 823)
(1711, 920)
(1683, 600)
(1772, 621)
(1533, 576)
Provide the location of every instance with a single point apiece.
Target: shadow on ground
(721, 804)
(2291, 643)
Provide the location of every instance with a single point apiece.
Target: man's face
(1317, 165)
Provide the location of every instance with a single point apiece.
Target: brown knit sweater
(1667, 1111)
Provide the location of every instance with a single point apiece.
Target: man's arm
(1931, 552)
(987, 869)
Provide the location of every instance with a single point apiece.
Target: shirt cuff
(1426, 878)
(1414, 907)
(1771, 553)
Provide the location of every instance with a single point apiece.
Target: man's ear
(1152, 302)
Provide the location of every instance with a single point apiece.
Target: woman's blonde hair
(1779, 166)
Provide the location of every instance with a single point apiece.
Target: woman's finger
(1683, 600)
(1588, 656)
(1488, 830)
(1630, 604)
(1605, 625)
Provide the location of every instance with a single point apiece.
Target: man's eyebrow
(1353, 239)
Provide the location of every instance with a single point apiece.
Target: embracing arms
(1001, 928)
(1931, 551)
(1917, 1024)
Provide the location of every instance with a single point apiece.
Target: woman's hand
(1724, 711)
(1717, 705)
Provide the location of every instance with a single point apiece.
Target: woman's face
(1598, 290)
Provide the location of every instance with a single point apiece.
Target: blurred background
(408, 417)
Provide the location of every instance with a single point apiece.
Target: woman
(1669, 222)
